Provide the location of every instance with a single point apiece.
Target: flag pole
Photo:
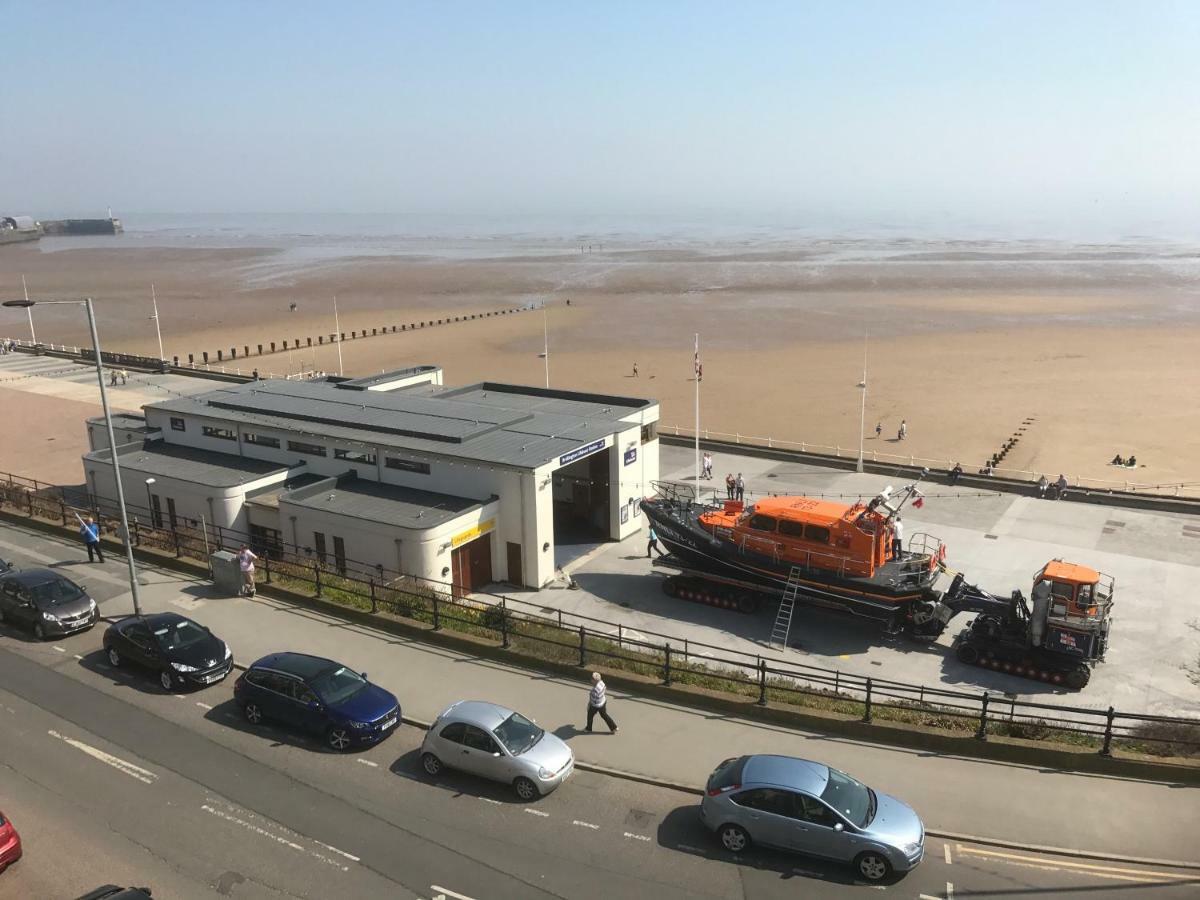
(696, 375)
(157, 327)
(29, 309)
(337, 324)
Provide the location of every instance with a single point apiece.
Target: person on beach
(741, 487)
(635, 375)
(956, 473)
(897, 538)
(878, 430)
(598, 704)
(1117, 461)
(903, 432)
(1043, 485)
(730, 485)
(254, 374)
(89, 531)
(652, 543)
(987, 469)
(246, 558)
(1132, 463)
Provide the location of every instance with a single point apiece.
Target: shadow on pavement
(127, 674)
(8, 629)
(682, 831)
(460, 784)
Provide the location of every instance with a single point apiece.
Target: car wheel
(114, 658)
(253, 713)
(338, 739)
(734, 838)
(431, 764)
(168, 683)
(526, 789)
(872, 866)
(39, 632)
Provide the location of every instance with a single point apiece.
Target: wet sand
(1100, 350)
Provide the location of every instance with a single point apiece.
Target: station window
(261, 440)
(359, 456)
(649, 432)
(225, 434)
(177, 424)
(307, 449)
(759, 522)
(406, 465)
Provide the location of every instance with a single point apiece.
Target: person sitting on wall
(956, 473)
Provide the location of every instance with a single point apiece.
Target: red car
(10, 843)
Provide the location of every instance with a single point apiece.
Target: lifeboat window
(760, 522)
(816, 533)
(790, 528)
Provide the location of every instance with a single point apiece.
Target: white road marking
(203, 705)
(77, 656)
(927, 897)
(490, 800)
(280, 839)
(946, 847)
(949, 890)
(367, 762)
(586, 825)
(121, 765)
(60, 649)
(441, 893)
(637, 837)
(180, 696)
(1080, 868)
(538, 812)
(348, 856)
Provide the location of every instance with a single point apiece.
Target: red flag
(699, 368)
(919, 502)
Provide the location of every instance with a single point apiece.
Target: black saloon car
(183, 653)
(46, 603)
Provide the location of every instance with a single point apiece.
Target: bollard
(582, 646)
(762, 682)
(285, 345)
(220, 355)
(667, 664)
(981, 732)
(320, 339)
(272, 346)
(246, 350)
(374, 331)
(867, 704)
(504, 622)
(310, 342)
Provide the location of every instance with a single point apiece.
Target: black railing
(572, 638)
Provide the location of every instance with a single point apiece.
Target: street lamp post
(112, 438)
(862, 413)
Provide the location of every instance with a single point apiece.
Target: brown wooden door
(514, 564)
(481, 562)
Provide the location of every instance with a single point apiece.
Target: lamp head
(20, 304)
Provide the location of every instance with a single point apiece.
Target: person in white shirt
(897, 538)
(598, 703)
(246, 558)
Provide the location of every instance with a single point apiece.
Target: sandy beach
(1098, 346)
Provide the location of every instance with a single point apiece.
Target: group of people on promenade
(114, 374)
(9, 346)
(735, 488)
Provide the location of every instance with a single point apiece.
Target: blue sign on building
(581, 452)
(631, 456)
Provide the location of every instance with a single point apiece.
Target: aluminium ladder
(783, 619)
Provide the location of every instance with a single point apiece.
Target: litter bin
(227, 572)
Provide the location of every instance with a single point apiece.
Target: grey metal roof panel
(190, 464)
(385, 503)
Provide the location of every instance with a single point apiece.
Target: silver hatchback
(807, 807)
(498, 744)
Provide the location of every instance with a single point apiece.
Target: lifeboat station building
(486, 483)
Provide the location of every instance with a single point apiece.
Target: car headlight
(228, 653)
(544, 772)
(183, 667)
(49, 618)
(912, 849)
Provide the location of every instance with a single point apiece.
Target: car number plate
(211, 678)
(388, 724)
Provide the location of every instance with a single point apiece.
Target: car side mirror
(364, 675)
(839, 827)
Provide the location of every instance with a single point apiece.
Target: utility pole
(546, 343)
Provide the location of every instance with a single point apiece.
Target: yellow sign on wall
(473, 532)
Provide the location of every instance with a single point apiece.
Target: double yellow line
(1099, 871)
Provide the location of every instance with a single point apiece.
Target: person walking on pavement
(598, 703)
(112, 377)
(246, 558)
(730, 485)
(652, 543)
(124, 376)
(741, 487)
(897, 538)
(90, 532)
(903, 433)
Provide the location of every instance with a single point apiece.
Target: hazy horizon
(1063, 120)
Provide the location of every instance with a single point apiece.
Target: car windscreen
(52, 593)
(337, 685)
(178, 635)
(849, 797)
(518, 734)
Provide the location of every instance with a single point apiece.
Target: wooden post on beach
(220, 356)
(206, 357)
(272, 346)
(260, 349)
(247, 349)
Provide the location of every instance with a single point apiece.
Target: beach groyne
(71, 227)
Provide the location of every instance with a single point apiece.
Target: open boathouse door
(581, 503)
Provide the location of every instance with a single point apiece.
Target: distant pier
(82, 226)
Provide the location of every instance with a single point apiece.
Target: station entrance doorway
(581, 506)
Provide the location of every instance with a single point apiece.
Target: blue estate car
(319, 696)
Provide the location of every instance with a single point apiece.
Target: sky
(1016, 111)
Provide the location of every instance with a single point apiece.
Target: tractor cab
(1071, 609)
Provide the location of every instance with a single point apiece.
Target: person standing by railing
(741, 487)
(246, 558)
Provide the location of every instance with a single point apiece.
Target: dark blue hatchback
(318, 696)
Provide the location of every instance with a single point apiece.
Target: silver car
(498, 744)
(807, 807)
